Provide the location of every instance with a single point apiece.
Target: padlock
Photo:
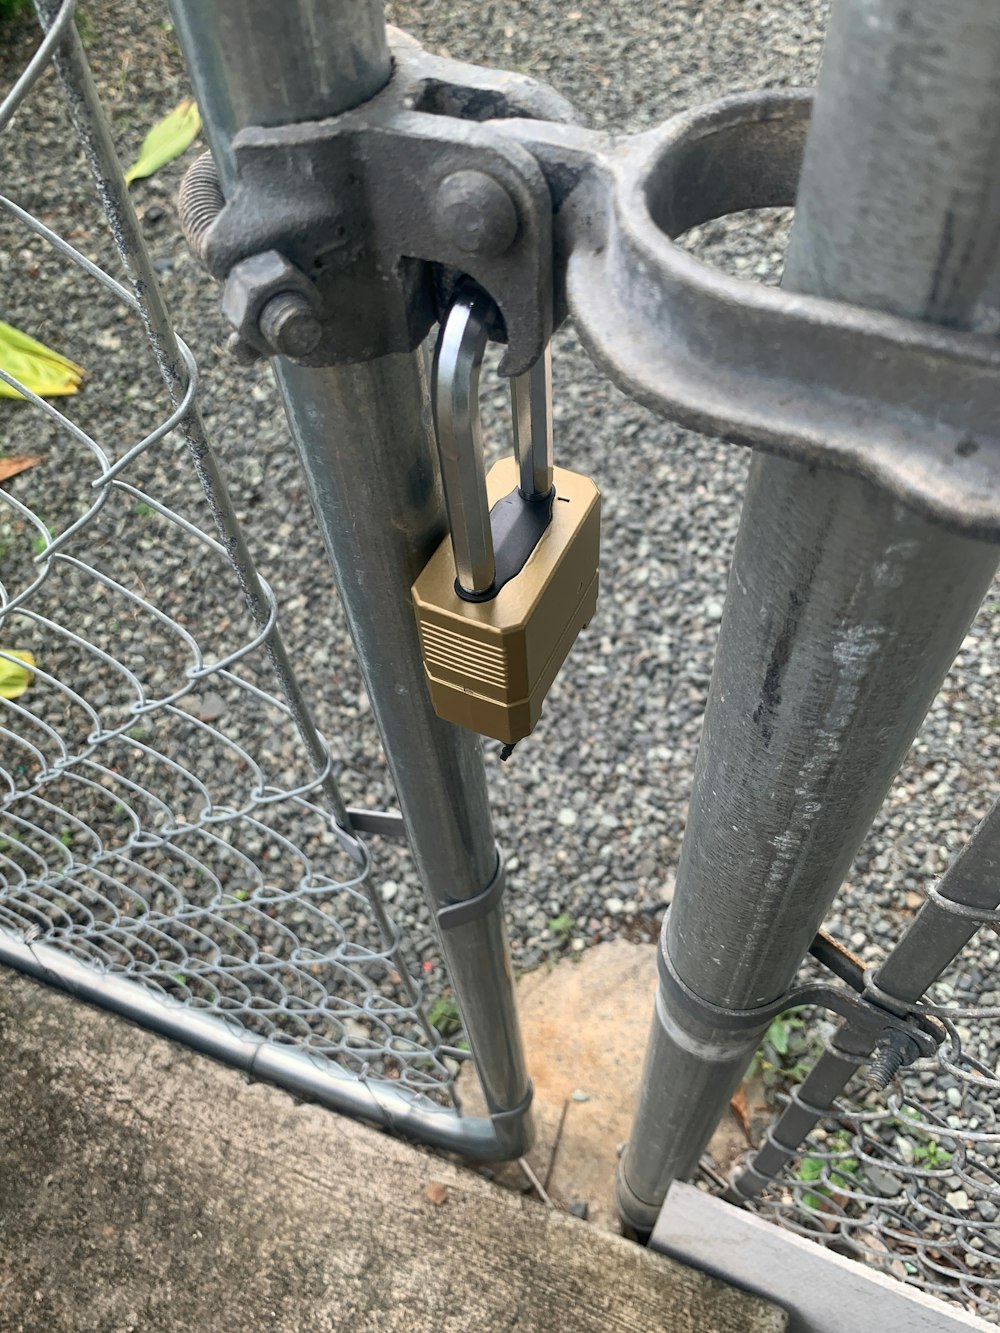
(503, 598)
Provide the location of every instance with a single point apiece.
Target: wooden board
(823, 1292)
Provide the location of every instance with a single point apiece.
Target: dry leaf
(738, 1106)
(436, 1193)
(10, 467)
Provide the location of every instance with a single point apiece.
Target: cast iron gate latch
(453, 171)
(877, 1029)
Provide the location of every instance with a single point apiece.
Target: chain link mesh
(908, 1179)
(164, 812)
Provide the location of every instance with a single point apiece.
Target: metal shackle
(458, 359)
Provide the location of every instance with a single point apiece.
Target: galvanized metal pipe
(370, 473)
(363, 435)
(844, 610)
(290, 1067)
(258, 63)
(937, 934)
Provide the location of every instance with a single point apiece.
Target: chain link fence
(910, 1187)
(168, 815)
(903, 1173)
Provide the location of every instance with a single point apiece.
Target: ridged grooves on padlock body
(490, 664)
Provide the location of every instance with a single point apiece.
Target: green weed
(13, 9)
(86, 27)
(561, 926)
(444, 1016)
(787, 1051)
(840, 1172)
(927, 1151)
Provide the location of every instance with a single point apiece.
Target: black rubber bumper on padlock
(517, 524)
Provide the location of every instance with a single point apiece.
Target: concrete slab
(145, 1188)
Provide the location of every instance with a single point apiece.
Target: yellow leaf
(166, 140)
(37, 367)
(15, 678)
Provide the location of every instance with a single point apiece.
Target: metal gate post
(364, 440)
(844, 610)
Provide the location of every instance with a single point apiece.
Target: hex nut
(476, 213)
(252, 285)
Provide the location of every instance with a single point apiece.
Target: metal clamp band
(354, 203)
(516, 1113)
(860, 1012)
(473, 909)
(908, 405)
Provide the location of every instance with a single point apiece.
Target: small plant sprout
(828, 1174)
(443, 1015)
(787, 1051)
(561, 926)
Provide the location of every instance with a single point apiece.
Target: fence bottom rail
(303, 1074)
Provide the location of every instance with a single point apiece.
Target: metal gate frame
(437, 769)
(844, 609)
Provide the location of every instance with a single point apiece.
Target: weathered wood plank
(823, 1292)
(142, 1187)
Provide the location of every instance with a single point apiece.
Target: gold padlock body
(490, 664)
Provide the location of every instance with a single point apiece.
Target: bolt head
(476, 213)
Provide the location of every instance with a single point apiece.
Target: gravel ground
(607, 774)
